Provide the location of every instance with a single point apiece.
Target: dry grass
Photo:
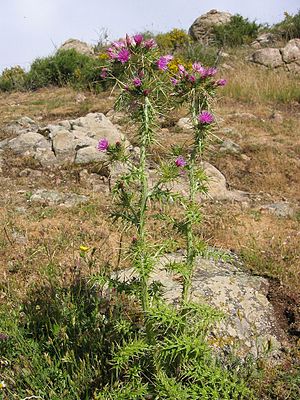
(254, 84)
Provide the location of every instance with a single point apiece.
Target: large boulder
(78, 45)
(268, 57)
(265, 39)
(201, 29)
(291, 52)
(249, 326)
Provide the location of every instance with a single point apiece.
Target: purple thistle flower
(192, 78)
(181, 69)
(150, 44)
(111, 53)
(211, 71)
(119, 44)
(174, 81)
(123, 56)
(146, 92)
(197, 67)
(205, 118)
(163, 62)
(103, 73)
(137, 82)
(138, 39)
(129, 40)
(180, 162)
(103, 144)
(221, 82)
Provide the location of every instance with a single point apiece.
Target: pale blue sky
(33, 28)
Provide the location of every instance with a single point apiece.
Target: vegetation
(235, 33)
(289, 28)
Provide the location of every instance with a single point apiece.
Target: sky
(36, 28)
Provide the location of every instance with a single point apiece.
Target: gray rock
(280, 209)
(64, 145)
(22, 125)
(268, 57)
(90, 154)
(201, 29)
(185, 124)
(291, 52)
(27, 143)
(52, 198)
(264, 39)
(217, 186)
(45, 157)
(249, 327)
(115, 116)
(276, 117)
(78, 45)
(228, 146)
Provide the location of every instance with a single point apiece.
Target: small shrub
(208, 55)
(289, 28)
(235, 33)
(173, 40)
(65, 67)
(12, 79)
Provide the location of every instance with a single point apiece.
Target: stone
(45, 157)
(264, 39)
(228, 146)
(52, 198)
(216, 185)
(27, 143)
(22, 125)
(280, 209)
(201, 29)
(249, 325)
(78, 45)
(90, 154)
(276, 117)
(63, 145)
(185, 124)
(291, 52)
(116, 117)
(269, 57)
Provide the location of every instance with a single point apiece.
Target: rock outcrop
(70, 141)
(201, 29)
(249, 326)
(287, 57)
(78, 45)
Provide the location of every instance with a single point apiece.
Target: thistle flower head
(123, 55)
(103, 144)
(163, 62)
(150, 44)
(137, 82)
(138, 39)
(180, 162)
(103, 73)
(205, 118)
(221, 82)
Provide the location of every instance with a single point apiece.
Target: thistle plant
(196, 86)
(166, 357)
(134, 64)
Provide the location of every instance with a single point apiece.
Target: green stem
(190, 237)
(144, 275)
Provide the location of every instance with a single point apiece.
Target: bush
(65, 67)
(237, 32)
(173, 40)
(289, 28)
(12, 79)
